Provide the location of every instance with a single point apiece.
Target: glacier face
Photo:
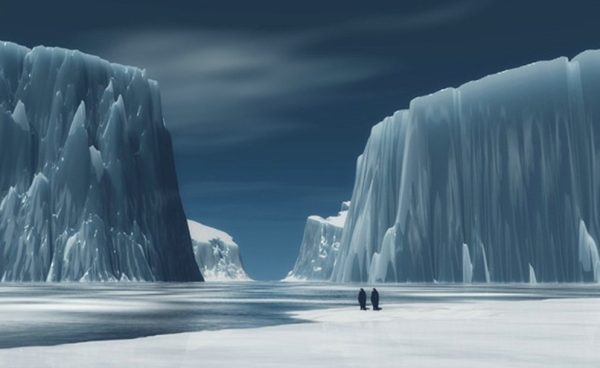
(319, 248)
(217, 255)
(88, 190)
(495, 181)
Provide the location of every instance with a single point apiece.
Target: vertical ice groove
(97, 162)
(20, 116)
(588, 254)
(467, 275)
(532, 278)
(79, 119)
(507, 164)
(79, 200)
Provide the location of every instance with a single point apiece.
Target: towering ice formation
(319, 248)
(495, 181)
(217, 255)
(88, 190)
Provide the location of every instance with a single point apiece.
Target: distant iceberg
(217, 255)
(319, 248)
(88, 190)
(495, 181)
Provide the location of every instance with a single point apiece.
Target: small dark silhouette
(375, 299)
(362, 299)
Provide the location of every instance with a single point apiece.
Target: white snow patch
(203, 233)
(337, 221)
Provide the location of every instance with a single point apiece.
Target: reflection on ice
(51, 314)
(451, 332)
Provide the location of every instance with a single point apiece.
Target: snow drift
(88, 190)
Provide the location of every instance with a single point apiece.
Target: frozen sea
(53, 314)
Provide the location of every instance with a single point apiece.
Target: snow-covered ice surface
(420, 325)
(88, 190)
(217, 255)
(508, 166)
(319, 248)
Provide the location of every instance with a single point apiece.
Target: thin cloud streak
(398, 23)
(222, 88)
(225, 88)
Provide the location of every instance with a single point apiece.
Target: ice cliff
(217, 255)
(319, 247)
(497, 180)
(88, 190)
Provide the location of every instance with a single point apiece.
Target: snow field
(543, 333)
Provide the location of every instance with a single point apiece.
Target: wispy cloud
(433, 17)
(227, 87)
(222, 88)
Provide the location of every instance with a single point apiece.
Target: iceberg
(88, 189)
(319, 248)
(217, 255)
(497, 180)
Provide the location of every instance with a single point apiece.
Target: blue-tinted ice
(88, 190)
(495, 181)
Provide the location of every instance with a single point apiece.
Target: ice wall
(217, 255)
(319, 248)
(507, 165)
(88, 190)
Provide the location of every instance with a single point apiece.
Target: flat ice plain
(298, 324)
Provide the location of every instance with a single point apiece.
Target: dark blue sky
(270, 103)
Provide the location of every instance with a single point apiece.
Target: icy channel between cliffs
(88, 190)
(497, 180)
